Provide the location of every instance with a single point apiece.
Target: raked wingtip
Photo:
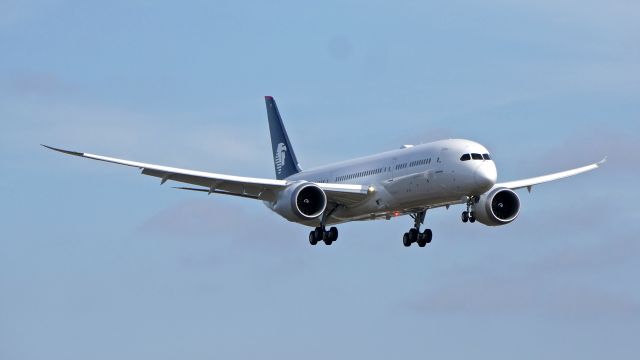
(63, 151)
(604, 160)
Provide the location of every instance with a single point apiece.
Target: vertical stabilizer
(284, 158)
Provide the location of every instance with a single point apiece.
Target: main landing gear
(469, 214)
(414, 235)
(321, 234)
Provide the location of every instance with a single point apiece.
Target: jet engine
(301, 201)
(497, 207)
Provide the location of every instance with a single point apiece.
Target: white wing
(528, 183)
(255, 188)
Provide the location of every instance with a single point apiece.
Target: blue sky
(99, 262)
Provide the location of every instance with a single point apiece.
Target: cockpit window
(465, 157)
(486, 156)
(475, 156)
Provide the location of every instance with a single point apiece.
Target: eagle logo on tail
(280, 156)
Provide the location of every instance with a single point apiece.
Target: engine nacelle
(301, 201)
(497, 207)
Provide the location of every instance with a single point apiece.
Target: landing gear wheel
(472, 218)
(405, 240)
(464, 216)
(422, 240)
(320, 234)
(428, 235)
(413, 235)
(333, 233)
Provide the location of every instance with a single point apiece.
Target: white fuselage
(407, 179)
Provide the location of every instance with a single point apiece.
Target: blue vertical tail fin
(284, 158)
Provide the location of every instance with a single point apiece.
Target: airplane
(407, 181)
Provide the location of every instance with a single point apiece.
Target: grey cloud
(587, 148)
(518, 295)
(605, 254)
(234, 225)
(37, 83)
(232, 232)
(193, 218)
(561, 284)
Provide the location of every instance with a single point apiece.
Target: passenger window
(476, 156)
(486, 156)
(465, 157)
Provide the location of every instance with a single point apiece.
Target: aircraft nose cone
(486, 175)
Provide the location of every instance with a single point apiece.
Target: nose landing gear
(414, 235)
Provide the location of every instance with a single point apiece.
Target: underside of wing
(528, 183)
(256, 188)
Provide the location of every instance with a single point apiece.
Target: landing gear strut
(321, 233)
(414, 235)
(469, 214)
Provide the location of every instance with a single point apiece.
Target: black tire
(464, 216)
(413, 235)
(472, 217)
(333, 233)
(312, 238)
(327, 241)
(428, 235)
(319, 234)
(422, 240)
(405, 240)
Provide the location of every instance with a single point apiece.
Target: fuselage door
(392, 169)
(440, 168)
(440, 160)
